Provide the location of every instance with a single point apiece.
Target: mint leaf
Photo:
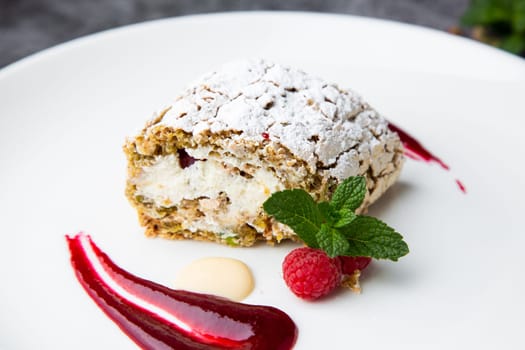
(331, 241)
(297, 209)
(368, 236)
(328, 213)
(345, 217)
(335, 218)
(349, 194)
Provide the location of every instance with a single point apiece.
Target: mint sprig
(334, 226)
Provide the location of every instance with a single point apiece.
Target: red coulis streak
(461, 186)
(415, 150)
(201, 321)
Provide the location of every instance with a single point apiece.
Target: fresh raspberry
(351, 263)
(310, 273)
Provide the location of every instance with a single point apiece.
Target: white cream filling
(167, 184)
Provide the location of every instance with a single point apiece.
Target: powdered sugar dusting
(324, 125)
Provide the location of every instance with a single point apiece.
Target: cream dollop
(226, 277)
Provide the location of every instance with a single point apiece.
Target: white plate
(64, 115)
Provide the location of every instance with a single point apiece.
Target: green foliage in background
(502, 22)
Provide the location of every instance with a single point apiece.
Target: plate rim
(35, 57)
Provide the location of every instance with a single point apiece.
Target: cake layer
(202, 168)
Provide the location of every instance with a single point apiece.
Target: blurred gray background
(28, 26)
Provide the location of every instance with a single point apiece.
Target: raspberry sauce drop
(157, 317)
(415, 150)
(461, 186)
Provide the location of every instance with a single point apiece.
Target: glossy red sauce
(157, 317)
(461, 186)
(415, 150)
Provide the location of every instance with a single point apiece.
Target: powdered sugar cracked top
(317, 121)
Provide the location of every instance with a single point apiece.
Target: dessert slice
(202, 168)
